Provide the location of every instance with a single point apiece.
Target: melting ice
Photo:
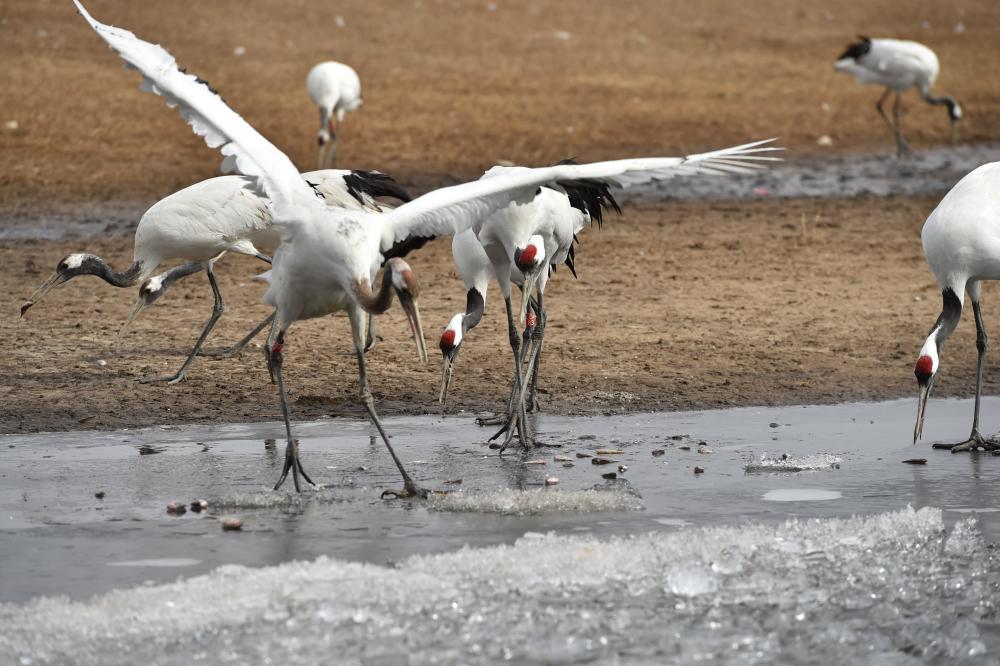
(892, 588)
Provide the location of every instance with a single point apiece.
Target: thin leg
(410, 489)
(217, 309)
(515, 346)
(238, 347)
(268, 346)
(292, 461)
(976, 440)
(881, 111)
(332, 157)
(902, 147)
(532, 403)
(514, 414)
(537, 334)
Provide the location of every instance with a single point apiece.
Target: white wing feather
(245, 149)
(450, 210)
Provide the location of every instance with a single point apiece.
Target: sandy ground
(681, 305)
(452, 87)
(677, 306)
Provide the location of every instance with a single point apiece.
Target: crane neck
(126, 278)
(475, 304)
(375, 302)
(947, 321)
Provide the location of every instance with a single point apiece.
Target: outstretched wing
(245, 149)
(450, 210)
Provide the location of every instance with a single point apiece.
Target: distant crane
(961, 240)
(199, 224)
(328, 256)
(898, 65)
(336, 89)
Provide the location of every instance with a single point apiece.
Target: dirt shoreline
(678, 306)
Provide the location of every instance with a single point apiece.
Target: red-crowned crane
(961, 240)
(335, 89)
(897, 65)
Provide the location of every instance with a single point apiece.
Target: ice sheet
(891, 588)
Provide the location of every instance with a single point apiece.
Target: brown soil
(451, 87)
(677, 306)
(682, 305)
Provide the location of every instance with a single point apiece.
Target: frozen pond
(729, 565)
(930, 171)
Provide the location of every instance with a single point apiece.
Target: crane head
(925, 370)
(149, 291)
(404, 283)
(451, 341)
(68, 267)
(530, 260)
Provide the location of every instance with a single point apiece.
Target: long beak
(445, 381)
(54, 280)
(529, 284)
(136, 309)
(925, 391)
(954, 131)
(409, 305)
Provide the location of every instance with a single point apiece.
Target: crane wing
(450, 210)
(245, 149)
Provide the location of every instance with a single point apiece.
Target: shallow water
(928, 172)
(661, 565)
(58, 538)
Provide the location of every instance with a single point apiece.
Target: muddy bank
(926, 172)
(678, 305)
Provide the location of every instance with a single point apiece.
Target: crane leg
(229, 352)
(537, 334)
(410, 488)
(217, 309)
(532, 404)
(902, 147)
(517, 420)
(292, 461)
(976, 440)
(515, 346)
(267, 346)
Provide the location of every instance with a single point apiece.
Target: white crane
(336, 89)
(898, 65)
(199, 224)
(328, 256)
(961, 240)
(545, 229)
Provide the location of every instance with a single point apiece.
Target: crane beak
(925, 391)
(409, 305)
(136, 309)
(953, 132)
(529, 285)
(56, 279)
(446, 379)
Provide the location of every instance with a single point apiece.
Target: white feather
(245, 149)
(450, 210)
